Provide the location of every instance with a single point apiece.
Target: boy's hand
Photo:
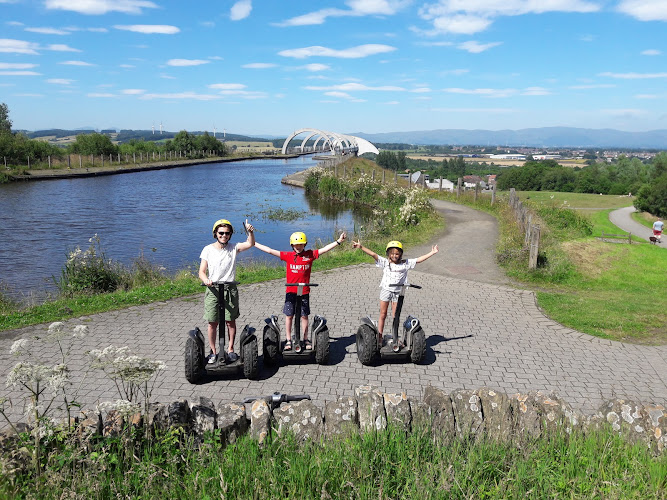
(356, 244)
(248, 227)
(342, 237)
(434, 249)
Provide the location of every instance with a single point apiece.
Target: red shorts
(656, 232)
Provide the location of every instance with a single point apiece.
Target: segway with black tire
(412, 346)
(274, 349)
(195, 347)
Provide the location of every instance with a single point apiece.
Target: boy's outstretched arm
(433, 251)
(250, 242)
(333, 244)
(268, 250)
(357, 244)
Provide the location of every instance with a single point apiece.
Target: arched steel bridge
(328, 141)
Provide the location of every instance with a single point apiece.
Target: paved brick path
(478, 334)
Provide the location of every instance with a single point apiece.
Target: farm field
(504, 163)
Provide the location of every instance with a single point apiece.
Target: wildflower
(28, 374)
(124, 407)
(80, 331)
(20, 347)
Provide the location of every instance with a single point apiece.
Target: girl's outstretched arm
(433, 251)
(357, 244)
(266, 249)
(333, 244)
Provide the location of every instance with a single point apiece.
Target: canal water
(164, 215)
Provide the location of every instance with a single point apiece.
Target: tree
(652, 197)
(93, 144)
(5, 122)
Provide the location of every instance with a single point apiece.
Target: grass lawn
(616, 290)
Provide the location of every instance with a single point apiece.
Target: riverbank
(70, 173)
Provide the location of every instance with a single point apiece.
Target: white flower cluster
(30, 374)
(124, 365)
(20, 347)
(124, 407)
(416, 202)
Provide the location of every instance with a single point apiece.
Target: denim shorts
(290, 304)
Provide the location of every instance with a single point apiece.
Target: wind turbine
(160, 127)
(153, 128)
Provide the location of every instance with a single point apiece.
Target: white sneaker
(211, 358)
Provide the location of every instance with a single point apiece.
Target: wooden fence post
(440, 186)
(493, 194)
(69, 161)
(384, 173)
(476, 190)
(534, 247)
(92, 160)
(373, 175)
(458, 187)
(5, 162)
(80, 162)
(102, 156)
(395, 176)
(49, 161)
(28, 162)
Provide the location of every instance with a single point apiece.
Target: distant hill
(127, 135)
(545, 137)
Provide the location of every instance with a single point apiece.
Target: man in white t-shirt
(218, 263)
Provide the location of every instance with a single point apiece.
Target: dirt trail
(467, 246)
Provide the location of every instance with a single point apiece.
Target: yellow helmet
(394, 244)
(222, 222)
(297, 238)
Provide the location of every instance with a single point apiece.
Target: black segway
(412, 346)
(195, 358)
(274, 349)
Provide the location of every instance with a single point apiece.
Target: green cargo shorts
(211, 311)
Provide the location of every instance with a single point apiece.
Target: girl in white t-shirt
(394, 272)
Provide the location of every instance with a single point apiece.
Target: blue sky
(271, 67)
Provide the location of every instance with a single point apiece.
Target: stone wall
(460, 414)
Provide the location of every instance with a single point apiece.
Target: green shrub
(90, 272)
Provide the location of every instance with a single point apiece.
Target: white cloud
(469, 17)
(126, 66)
(48, 31)
(475, 47)
(226, 86)
(167, 77)
(59, 47)
(95, 7)
(357, 87)
(29, 95)
(634, 76)
(392, 103)
(646, 96)
(77, 63)
(316, 67)
(644, 10)
(19, 73)
(343, 95)
(475, 110)
(536, 91)
(189, 96)
(351, 53)
(592, 86)
(100, 94)
(259, 65)
(186, 62)
(132, 91)
(240, 10)
(357, 8)
(421, 90)
(17, 66)
(482, 92)
(18, 46)
(651, 52)
(60, 81)
(149, 29)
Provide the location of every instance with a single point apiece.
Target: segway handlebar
(408, 285)
(301, 284)
(215, 283)
(274, 400)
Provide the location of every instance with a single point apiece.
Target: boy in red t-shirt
(299, 263)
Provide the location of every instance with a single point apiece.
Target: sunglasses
(224, 233)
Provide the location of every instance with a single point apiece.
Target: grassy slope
(616, 292)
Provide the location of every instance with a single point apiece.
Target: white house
(446, 184)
